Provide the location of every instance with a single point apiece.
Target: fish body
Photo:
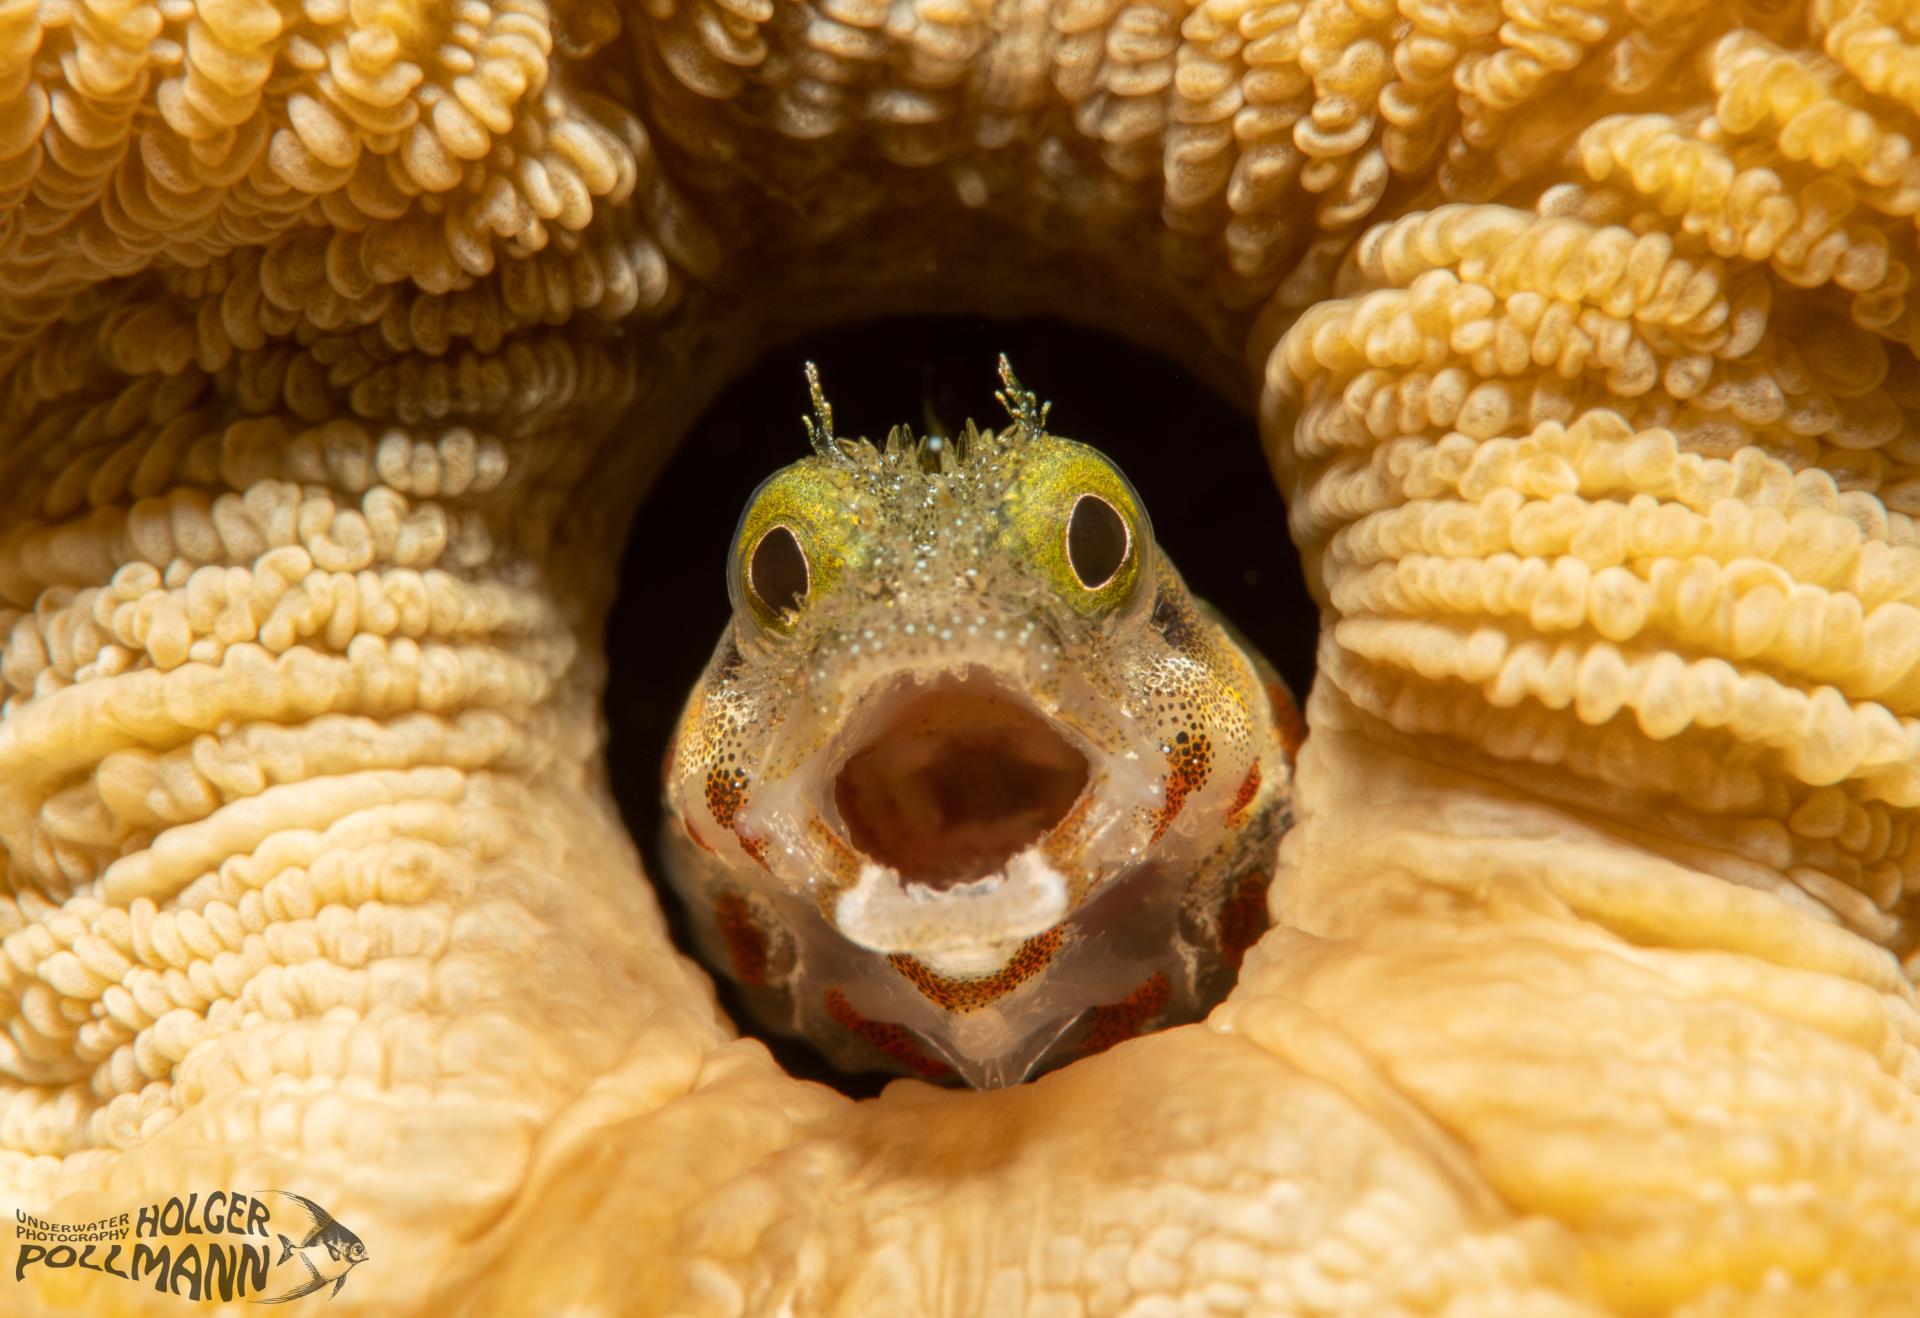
(327, 1251)
(972, 785)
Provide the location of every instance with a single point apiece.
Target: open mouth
(954, 778)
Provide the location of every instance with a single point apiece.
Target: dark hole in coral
(1096, 541)
(778, 571)
(1214, 507)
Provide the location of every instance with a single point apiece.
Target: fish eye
(1070, 515)
(778, 573)
(791, 546)
(1098, 540)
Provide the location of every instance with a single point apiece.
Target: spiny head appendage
(820, 424)
(933, 453)
(1022, 404)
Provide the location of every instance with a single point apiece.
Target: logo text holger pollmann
(189, 1268)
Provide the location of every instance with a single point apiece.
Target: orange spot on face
(1243, 917)
(1189, 764)
(746, 940)
(1243, 796)
(965, 995)
(1119, 1021)
(1289, 725)
(893, 1040)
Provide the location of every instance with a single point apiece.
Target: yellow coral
(1583, 344)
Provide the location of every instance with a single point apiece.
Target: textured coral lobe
(339, 340)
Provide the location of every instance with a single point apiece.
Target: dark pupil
(1096, 541)
(778, 572)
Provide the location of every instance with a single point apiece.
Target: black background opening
(1194, 458)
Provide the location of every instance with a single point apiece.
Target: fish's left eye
(1073, 518)
(1098, 540)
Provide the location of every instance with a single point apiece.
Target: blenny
(972, 785)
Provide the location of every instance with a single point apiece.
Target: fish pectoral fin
(338, 1282)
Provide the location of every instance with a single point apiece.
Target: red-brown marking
(746, 940)
(1243, 796)
(893, 1040)
(1288, 723)
(1243, 917)
(1189, 763)
(963, 995)
(1119, 1021)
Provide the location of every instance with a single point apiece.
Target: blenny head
(961, 706)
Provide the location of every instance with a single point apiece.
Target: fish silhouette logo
(324, 1248)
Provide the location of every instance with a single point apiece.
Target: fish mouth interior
(954, 778)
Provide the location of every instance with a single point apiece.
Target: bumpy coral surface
(339, 339)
